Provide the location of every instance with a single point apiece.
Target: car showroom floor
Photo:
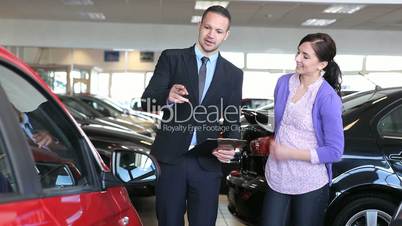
(146, 208)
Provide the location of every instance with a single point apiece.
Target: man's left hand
(42, 138)
(224, 155)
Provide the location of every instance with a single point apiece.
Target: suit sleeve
(157, 91)
(332, 126)
(232, 120)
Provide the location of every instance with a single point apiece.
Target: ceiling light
(93, 15)
(78, 2)
(318, 22)
(344, 9)
(195, 19)
(123, 50)
(203, 5)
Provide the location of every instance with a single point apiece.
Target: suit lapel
(192, 74)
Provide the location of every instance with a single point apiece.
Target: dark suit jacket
(179, 66)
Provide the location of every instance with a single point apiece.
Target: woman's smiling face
(307, 62)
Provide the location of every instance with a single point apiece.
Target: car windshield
(76, 114)
(80, 107)
(268, 107)
(112, 104)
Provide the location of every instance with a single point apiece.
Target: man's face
(213, 30)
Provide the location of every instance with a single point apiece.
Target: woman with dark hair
(308, 137)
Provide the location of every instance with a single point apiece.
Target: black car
(108, 137)
(366, 187)
(397, 219)
(109, 108)
(93, 116)
(254, 103)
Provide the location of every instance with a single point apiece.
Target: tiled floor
(146, 208)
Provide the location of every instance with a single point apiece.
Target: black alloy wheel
(366, 211)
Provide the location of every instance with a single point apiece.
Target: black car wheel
(369, 211)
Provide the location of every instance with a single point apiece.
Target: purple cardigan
(327, 120)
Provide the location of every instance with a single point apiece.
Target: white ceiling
(244, 12)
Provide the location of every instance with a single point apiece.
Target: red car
(50, 173)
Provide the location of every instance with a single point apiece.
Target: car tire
(364, 209)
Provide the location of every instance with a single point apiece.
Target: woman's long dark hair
(325, 49)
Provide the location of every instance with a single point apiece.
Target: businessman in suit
(197, 89)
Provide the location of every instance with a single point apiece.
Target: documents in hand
(210, 144)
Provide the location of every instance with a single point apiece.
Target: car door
(389, 127)
(58, 180)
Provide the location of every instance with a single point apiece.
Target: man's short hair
(219, 10)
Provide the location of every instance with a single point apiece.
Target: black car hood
(109, 132)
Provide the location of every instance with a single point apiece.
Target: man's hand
(177, 93)
(42, 138)
(224, 155)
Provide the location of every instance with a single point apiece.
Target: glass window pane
(383, 63)
(60, 82)
(100, 84)
(80, 79)
(258, 84)
(350, 62)
(271, 61)
(235, 58)
(148, 77)
(391, 125)
(80, 74)
(386, 79)
(55, 78)
(356, 83)
(80, 87)
(125, 86)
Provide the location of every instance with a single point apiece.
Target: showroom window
(148, 77)
(259, 84)
(386, 79)
(360, 72)
(80, 81)
(356, 83)
(126, 86)
(60, 82)
(100, 84)
(236, 58)
(56, 78)
(350, 62)
(271, 61)
(383, 63)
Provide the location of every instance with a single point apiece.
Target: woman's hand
(279, 151)
(284, 152)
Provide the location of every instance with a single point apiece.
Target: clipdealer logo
(202, 116)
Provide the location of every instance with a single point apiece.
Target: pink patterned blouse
(296, 130)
